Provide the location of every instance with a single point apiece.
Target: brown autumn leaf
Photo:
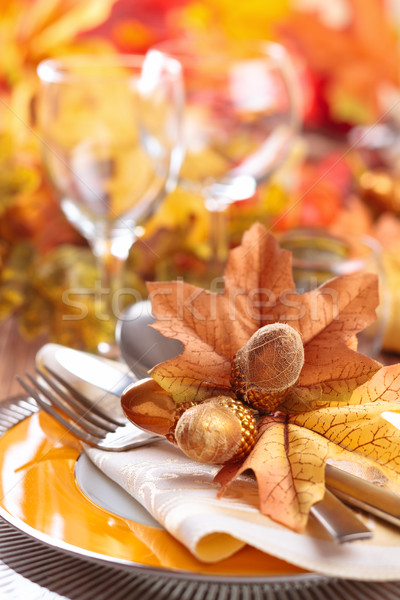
(259, 289)
(290, 455)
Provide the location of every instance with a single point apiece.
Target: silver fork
(81, 416)
(94, 426)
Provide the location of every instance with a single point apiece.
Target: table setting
(199, 275)
(179, 494)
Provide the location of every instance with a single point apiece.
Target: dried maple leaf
(258, 290)
(290, 455)
(335, 410)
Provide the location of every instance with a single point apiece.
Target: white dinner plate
(106, 493)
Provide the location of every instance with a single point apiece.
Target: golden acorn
(267, 367)
(216, 431)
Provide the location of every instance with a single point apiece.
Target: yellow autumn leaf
(290, 456)
(357, 425)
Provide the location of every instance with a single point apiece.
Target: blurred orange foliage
(342, 69)
(349, 62)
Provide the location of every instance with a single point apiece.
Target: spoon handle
(364, 495)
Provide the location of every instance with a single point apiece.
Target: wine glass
(318, 256)
(110, 128)
(241, 116)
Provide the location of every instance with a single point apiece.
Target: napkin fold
(182, 496)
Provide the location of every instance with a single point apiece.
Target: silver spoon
(143, 347)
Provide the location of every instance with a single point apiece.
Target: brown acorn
(218, 430)
(267, 367)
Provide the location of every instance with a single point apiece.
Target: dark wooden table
(17, 355)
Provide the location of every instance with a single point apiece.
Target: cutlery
(364, 495)
(84, 419)
(339, 520)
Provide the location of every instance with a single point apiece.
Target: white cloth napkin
(181, 495)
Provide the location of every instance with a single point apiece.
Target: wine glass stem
(110, 255)
(219, 236)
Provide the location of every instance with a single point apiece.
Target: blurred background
(342, 174)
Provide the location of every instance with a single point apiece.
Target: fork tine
(78, 418)
(82, 399)
(86, 413)
(48, 408)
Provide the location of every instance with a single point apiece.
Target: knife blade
(87, 367)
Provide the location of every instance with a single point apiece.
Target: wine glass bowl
(95, 123)
(110, 127)
(241, 116)
(318, 256)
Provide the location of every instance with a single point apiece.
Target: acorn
(218, 430)
(265, 370)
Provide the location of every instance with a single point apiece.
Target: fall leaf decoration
(258, 291)
(335, 405)
(288, 462)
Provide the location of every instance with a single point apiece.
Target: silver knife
(87, 367)
(355, 491)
